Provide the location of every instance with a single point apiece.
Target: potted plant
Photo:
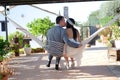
(116, 36)
(99, 42)
(4, 49)
(104, 35)
(0, 77)
(27, 49)
(4, 70)
(15, 49)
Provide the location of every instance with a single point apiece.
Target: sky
(78, 11)
(24, 14)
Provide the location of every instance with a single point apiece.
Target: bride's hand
(80, 45)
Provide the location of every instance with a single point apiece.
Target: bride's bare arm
(78, 36)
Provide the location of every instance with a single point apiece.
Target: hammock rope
(81, 49)
(101, 29)
(56, 43)
(94, 34)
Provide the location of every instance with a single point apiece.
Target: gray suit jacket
(58, 34)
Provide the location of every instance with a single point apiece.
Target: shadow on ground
(34, 68)
(97, 48)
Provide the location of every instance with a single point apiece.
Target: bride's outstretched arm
(78, 37)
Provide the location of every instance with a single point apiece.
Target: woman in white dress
(74, 36)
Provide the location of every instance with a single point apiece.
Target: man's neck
(58, 25)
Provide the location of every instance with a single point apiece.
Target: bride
(74, 36)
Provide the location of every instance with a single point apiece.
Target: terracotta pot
(5, 77)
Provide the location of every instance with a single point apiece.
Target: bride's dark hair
(68, 25)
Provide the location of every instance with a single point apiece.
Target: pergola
(23, 2)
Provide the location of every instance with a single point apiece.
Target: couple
(70, 37)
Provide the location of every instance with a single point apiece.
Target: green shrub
(99, 40)
(21, 51)
(4, 49)
(38, 50)
(26, 45)
(0, 77)
(105, 32)
(116, 32)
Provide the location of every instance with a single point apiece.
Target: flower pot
(16, 50)
(17, 53)
(5, 77)
(27, 51)
(0, 77)
(117, 44)
(98, 43)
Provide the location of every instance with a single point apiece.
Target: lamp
(1, 8)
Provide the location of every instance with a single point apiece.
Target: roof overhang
(25, 2)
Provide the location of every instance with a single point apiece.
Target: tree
(105, 20)
(40, 26)
(93, 18)
(109, 8)
(78, 24)
(1, 37)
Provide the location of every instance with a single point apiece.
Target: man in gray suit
(58, 34)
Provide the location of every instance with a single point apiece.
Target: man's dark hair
(58, 19)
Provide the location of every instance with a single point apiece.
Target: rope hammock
(88, 39)
(76, 52)
(57, 46)
(93, 35)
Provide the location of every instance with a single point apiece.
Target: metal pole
(6, 22)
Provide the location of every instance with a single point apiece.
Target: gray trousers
(57, 59)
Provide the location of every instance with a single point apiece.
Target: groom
(58, 34)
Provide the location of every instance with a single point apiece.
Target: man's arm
(47, 35)
(67, 41)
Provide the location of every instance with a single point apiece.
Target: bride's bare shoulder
(69, 32)
(69, 29)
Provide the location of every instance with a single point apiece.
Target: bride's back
(69, 33)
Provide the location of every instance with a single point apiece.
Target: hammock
(85, 41)
(54, 48)
(77, 52)
(57, 48)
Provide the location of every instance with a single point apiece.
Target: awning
(25, 2)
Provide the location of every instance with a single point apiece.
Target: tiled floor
(94, 66)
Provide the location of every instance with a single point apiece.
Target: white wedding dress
(75, 53)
